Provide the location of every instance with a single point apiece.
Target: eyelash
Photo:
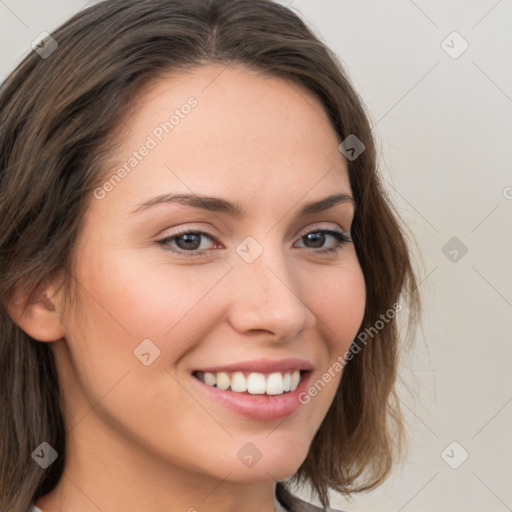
(341, 237)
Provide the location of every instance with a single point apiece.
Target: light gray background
(444, 128)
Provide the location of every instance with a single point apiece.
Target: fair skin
(149, 437)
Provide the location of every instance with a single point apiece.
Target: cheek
(337, 298)
(150, 297)
(122, 303)
(166, 302)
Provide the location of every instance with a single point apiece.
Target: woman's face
(246, 291)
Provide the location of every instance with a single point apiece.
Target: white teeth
(275, 384)
(210, 379)
(286, 382)
(238, 382)
(255, 383)
(223, 380)
(294, 382)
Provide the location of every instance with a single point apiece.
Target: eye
(318, 237)
(189, 242)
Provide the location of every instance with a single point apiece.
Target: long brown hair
(57, 116)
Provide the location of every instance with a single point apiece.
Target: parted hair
(57, 117)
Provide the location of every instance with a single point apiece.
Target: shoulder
(294, 504)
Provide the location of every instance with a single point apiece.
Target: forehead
(218, 128)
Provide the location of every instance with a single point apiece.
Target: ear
(39, 313)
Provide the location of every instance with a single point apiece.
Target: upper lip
(261, 365)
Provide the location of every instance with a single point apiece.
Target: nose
(267, 296)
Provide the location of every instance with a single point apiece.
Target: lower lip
(258, 407)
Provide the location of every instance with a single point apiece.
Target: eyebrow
(217, 204)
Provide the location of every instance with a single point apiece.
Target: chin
(275, 457)
(263, 472)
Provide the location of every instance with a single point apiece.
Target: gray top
(292, 503)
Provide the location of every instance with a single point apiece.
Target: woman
(142, 374)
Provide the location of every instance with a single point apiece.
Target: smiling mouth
(253, 383)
